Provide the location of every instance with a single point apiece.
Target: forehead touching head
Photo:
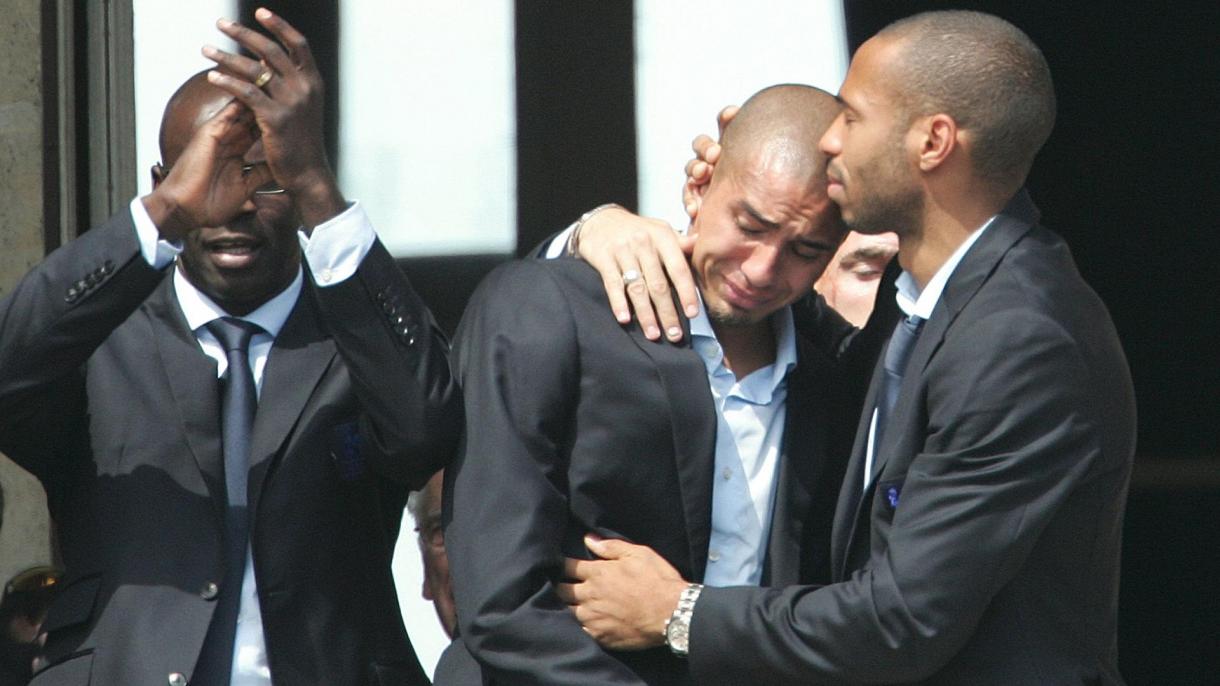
(983, 72)
(765, 227)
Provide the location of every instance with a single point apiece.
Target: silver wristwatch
(677, 627)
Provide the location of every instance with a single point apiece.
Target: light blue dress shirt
(750, 416)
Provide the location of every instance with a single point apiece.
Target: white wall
(693, 57)
(429, 123)
(167, 38)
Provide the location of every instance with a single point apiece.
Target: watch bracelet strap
(573, 248)
(684, 610)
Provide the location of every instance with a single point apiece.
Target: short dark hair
(986, 74)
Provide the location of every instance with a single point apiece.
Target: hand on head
(284, 91)
(211, 181)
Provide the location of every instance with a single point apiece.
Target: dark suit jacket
(986, 550)
(576, 424)
(107, 397)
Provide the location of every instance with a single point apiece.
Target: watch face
(677, 635)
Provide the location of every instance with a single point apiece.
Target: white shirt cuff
(559, 244)
(157, 252)
(337, 246)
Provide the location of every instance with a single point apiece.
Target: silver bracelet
(573, 249)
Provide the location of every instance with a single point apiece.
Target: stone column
(25, 528)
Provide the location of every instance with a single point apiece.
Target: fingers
(725, 116)
(678, 268)
(244, 91)
(267, 50)
(637, 290)
(567, 593)
(292, 40)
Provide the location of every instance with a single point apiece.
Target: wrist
(317, 198)
(165, 214)
(574, 239)
(677, 627)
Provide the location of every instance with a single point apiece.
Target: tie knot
(233, 333)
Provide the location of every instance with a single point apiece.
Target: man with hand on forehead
(718, 453)
(228, 390)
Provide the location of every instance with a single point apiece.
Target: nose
(831, 142)
(249, 206)
(761, 265)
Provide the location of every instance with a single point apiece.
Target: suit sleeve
(399, 361)
(1011, 434)
(54, 319)
(517, 359)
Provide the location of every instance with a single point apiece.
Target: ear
(158, 174)
(697, 194)
(937, 140)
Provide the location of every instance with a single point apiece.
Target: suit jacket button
(177, 679)
(209, 591)
(107, 267)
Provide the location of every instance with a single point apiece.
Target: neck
(945, 224)
(747, 347)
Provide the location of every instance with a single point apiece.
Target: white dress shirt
(750, 416)
(334, 252)
(916, 302)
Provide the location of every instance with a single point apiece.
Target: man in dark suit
(717, 453)
(184, 564)
(976, 539)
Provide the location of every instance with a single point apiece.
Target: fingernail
(692, 311)
(674, 332)
(652, 332)
(225, 22)
(262, 13)
(622, 316)
(210, 50)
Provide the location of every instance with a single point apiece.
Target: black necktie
(238, 405)
(906, 332)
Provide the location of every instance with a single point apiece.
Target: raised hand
(210, 182)
(284, 91)
(707, 154)
(619, 245)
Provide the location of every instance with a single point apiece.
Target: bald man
(201, 545)
(714, 453)
(977, 537)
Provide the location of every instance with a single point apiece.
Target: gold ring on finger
(264, 78)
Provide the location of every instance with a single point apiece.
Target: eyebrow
(748, 209)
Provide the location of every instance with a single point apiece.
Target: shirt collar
(199, 309)
(784, 326)
(920, 303)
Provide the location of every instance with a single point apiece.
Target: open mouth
(233, 252)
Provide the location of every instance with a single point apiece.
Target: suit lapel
(851, 500)
(802, 461)
(980, 261)
(693, 416)
(187, 370)
(299, 356)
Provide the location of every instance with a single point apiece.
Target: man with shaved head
(715, 453)
(977, 535)
(228, 390)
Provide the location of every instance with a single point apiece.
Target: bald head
(986, 74)
(190, 106)
(782, 124)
